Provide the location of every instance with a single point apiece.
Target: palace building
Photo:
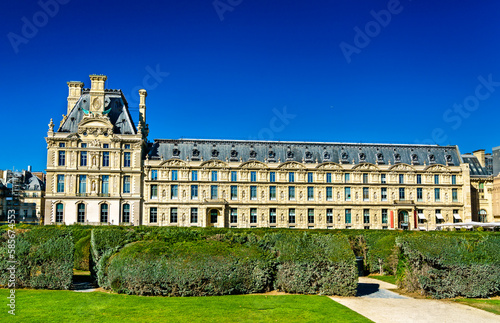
(101, 169)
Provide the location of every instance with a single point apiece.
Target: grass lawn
(70, 306)
(490, 305)
(388, 278)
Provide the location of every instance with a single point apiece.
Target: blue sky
(404, 71)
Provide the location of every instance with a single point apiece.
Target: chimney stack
(75, 92)
(97, 93)
(142, 106)
(480, 156)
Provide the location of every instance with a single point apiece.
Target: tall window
(384, 216)
(105, 184)
(310, 193)
(59, 212)
(291, 177)
(436, 179)
(126, 213)
(154, 191)
(437, 194)
(83, 158)
(174, 191)
(214, 176)
(272, 215)
(104, 213)
(81, 213)
(366, 216)
(154, 175)
(291, 215)
(253, 215)
(347, 177)
(194, 175)
(456, 216)
(329, 193)
(291, 193)
(253, 176)
(234, 192)
(213, 192)
(453, 179)
(173, 215)
(309, 177)
(194, 192)
(347, 216)
(82, 185)
(366, 193)
(153, 215)
(234, 176)
(439, 217)
(401, 194)
(328, 177)
(347, 193)
(419, 179)
(174, 175)
(126, 146)
(126, 159)
(253, 192)
(272, 192)
(401, 179)
(329, 215)
(310, 215)
(454, 195)
(272, 177)
(382, 179)
(60, 183)
(62, 158)
(194, 215)
(233, 218)
(213, 216)
(420, 194)
(105, 159)
(126, 184)
(383, 193)
(365, 178)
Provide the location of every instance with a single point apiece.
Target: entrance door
(403, 220)
(213, 216)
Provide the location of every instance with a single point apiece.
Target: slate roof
(32, 183)
(308, 152)
(475, 166)
(119, 114)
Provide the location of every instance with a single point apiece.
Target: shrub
(197, 268)
(382, 253)
(82, 254)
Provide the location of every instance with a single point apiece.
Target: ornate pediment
(173, 163)
(291, 165)
(214, 163)
(253, 164)
(366, 166)
(402, 167)
(437, 168)
(95, 125)
(329, 165)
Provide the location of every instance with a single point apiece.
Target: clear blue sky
(232, 65)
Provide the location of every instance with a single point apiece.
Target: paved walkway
(378, 304)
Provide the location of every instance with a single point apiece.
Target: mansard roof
(306, 152)
(118, 114)
(476, 169)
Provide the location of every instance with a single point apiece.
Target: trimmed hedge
(197, 268)
(44, 258)
(82, 254)
(315, 264)
(452, 265)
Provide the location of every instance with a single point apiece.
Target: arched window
(126, 213)
(59, 212)
(482, 215)
(81, 213)
(104, 213)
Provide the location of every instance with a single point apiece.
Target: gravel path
(378, 304)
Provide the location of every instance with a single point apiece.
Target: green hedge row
(452, 265)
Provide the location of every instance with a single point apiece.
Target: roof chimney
(97, 93)
(142, 106)
(29, 168)
(75, 92)
(480, 156)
